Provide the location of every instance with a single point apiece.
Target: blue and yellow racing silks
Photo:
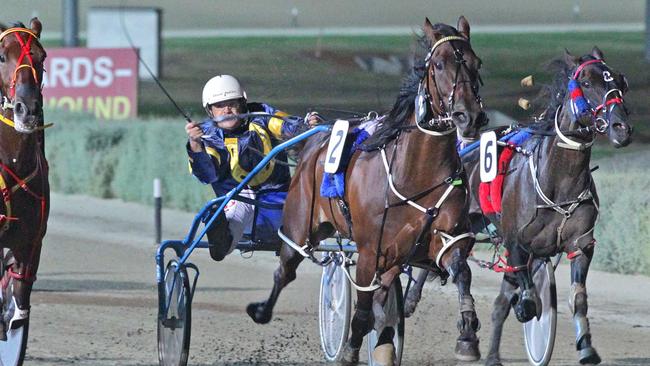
(230, 155)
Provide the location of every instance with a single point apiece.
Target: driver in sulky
(227, 145)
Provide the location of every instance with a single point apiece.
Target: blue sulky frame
(184, 248)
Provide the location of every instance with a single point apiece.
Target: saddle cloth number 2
(488, 156)
(335, 147)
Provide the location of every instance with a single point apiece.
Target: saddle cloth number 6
(488, 156)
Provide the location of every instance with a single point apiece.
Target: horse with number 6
(23, 181)
(405, 199)
(549, 204)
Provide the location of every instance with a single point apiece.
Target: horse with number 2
(404, 203)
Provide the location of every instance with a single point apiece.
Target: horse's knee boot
(361, 324)
(468, 321)
(526, 307)
(578, 299)
(468, 324)
(586, 352)
(384, 355)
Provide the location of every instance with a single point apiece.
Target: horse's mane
(552, 95)
(404, 105)
(3, 27)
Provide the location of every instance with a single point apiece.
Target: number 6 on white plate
(335, 147)
(488, 156)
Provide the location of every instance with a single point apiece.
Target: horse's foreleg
(414, 293)
(499, 315)
(528, 300)
(578, 305)
(262, 312)
(468, 323)
(22, 270)
(362, 321)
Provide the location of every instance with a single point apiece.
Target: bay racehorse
(549, 201)
(405, 199)
(23, 168)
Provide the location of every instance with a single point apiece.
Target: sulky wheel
(12, 350)
(335, 307)
(539, 334)
(394, 308)
(174, 323)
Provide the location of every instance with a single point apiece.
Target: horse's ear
(431, 33)
(569, 59)
(36, 26)
(597, 53)
(463, 26)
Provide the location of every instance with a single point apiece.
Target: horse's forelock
(445, 29)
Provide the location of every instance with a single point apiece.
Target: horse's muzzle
(620, 134)
(25, 118)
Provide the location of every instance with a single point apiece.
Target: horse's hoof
(589, 356)
(467, 350)
(493, 361)
(350, 356)
(384, 355)
(257, 311)
(526, 309)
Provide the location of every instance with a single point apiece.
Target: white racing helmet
(221, 88)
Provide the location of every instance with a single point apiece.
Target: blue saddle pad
(333, 185)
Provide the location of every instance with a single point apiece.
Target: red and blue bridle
(580, 105)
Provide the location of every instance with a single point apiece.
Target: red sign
(102, 81)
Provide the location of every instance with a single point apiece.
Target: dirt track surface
(95, 303)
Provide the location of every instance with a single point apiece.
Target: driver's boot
(219, 238)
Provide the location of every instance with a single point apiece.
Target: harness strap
(452, 183)
(567, 143)
(585, 195)
(27, 277)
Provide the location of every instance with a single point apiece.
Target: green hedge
(121, 159)
(623, 230)
(111, 159)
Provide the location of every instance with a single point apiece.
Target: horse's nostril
(460, 117)
(21, 109)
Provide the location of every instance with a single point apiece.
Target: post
(157, 199)
(647, 30)
(70, 23)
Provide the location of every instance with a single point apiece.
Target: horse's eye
(438, 65)
(586, 84)
(2, 58)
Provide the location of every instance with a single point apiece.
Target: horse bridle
(25, 53)
(425, 99)
(600, 115)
